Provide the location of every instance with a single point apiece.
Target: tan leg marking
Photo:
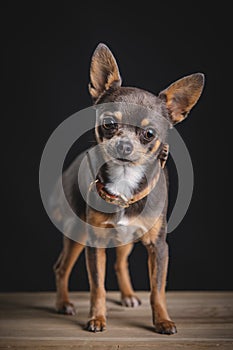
(62, 269)
(157, 264)
(96, 264)
(128, 296)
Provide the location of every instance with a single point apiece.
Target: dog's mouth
(111, 156)
(124, 160)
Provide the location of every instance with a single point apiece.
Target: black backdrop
(47, 54)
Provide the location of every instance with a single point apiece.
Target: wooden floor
(204, 321)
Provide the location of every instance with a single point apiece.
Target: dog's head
(132, 123)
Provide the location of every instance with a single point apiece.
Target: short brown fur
(172, 105)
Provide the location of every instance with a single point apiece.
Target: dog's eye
(109, 123)
(149, 134)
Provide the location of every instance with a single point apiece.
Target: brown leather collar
(120, 199)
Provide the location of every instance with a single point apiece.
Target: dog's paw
(165, 327)
(66, 308)
(131, 301)
(96, 324)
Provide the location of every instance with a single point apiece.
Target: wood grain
(28, 321)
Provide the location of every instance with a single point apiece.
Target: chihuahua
(121, 194)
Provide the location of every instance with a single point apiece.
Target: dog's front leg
(157, 264)
(128, 296)
(96, 261)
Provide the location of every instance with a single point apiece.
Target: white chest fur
(124, 179)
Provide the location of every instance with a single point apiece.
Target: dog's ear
(182, 95)
(104, 72)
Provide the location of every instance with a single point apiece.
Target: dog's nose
(124, 148)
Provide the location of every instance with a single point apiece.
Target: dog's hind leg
(128, 296)
(62, 269)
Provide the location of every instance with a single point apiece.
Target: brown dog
(132, 151)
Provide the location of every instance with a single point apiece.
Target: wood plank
(204, 321)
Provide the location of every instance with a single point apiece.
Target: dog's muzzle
(124, 148)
